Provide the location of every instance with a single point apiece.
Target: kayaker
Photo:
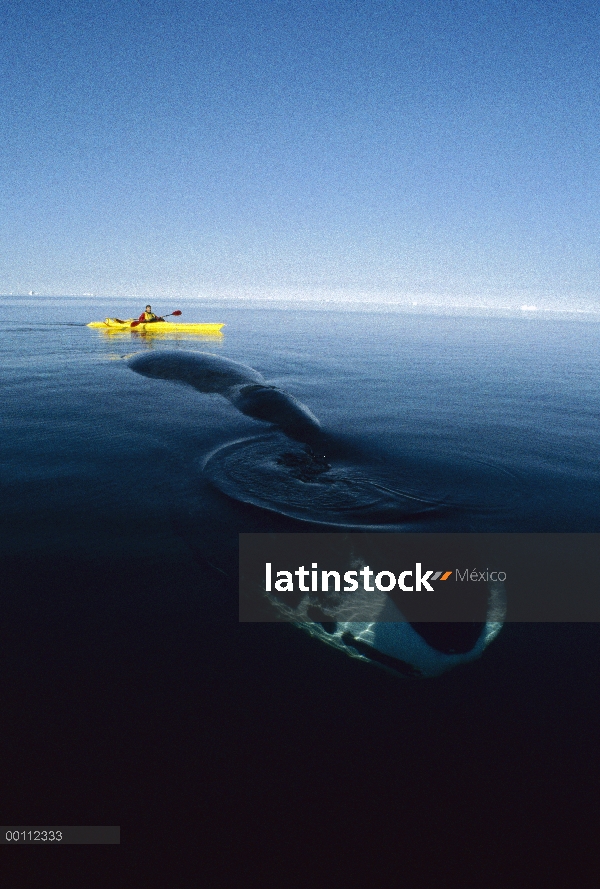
(149, 315)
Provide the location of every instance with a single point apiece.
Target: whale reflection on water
(300, 471)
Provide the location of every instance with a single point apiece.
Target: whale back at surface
(203, 371)
(276, 406)
(245, 388)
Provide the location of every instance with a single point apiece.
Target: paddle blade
(135, 323)
(176, 313)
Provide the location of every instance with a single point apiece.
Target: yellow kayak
(156, 326)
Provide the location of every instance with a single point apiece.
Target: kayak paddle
(135, 323)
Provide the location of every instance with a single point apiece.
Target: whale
(300, 482)
(245, 388)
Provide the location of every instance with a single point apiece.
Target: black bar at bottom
(58, 836)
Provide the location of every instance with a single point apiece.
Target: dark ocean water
(131, 695)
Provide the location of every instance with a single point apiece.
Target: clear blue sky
(203, 146)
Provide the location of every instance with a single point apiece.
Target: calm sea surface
(126, 678)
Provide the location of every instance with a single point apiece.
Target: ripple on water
(288, 478)
(274, 473)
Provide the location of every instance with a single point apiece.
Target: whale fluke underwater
(299, 470)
